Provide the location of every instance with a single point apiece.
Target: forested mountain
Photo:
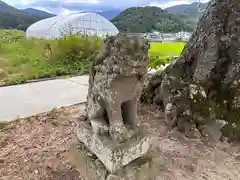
(110, 14)
(146, 19)
(38, 12)
(14, 18)
(134, 19)
(191, 12)
(186, 8)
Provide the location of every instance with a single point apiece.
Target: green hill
(186, 8)
(190, 12)
(38, 12)
(13, 18)
(146, 19)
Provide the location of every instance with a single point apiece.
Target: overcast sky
(56, 6)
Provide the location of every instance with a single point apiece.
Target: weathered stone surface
(91, 168)
(113, 155)
(110, 128)
(203, 84)
(88, 165)
(115, 86)
(140, 169)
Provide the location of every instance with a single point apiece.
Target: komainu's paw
(119, 132)
(99, 126)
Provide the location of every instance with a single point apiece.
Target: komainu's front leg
(129, 111)
(117, 129)
(97, 119)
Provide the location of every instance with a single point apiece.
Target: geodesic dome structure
(82, 23)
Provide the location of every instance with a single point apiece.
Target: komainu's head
(124, 55)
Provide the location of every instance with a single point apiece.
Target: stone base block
(114, 156)
(140, 169)
(91, 168)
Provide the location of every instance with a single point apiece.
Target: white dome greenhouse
(83, 23)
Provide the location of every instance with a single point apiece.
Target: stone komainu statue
(111, 131)
(115, 86)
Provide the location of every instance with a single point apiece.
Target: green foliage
(161, 53)
(3, 124)
(13, 18)
(229, 109)
(17, 21)
(23, 59)
(146, 19)
(219, 106)
(40, 58)
(157, 61)
(72, 49)
(15, 80)
(166, 48)
(232, 130)
(11, 36)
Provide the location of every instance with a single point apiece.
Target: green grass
(166, 49)
(161, 53)
(38, 58)
(24, 59)
(11, 36)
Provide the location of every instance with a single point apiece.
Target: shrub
(72, 48)
(157, 61)
(11, 36)
(22, 59)
(35, 58)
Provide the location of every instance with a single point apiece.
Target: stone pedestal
(100, 158)
(88, 165)
(91, 168)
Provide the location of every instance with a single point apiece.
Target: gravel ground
(37, 148)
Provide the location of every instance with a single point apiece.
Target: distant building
(163, 37)
(153, 36)
(86, 23)
(184, 35)
(168, 37)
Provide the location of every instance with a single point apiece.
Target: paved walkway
(30, 99)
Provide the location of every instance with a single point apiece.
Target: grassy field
(22, 59)
(161, 53)
(166, 49)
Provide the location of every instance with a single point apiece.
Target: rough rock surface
(203, 84)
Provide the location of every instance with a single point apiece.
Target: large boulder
(203, 86)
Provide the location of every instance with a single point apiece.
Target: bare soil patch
(37, 148)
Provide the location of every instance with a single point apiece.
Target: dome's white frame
(87, 23)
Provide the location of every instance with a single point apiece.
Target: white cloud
(160, 3)
(43, 9)
(82, 1)
(64, 11)
(22, 2)
(66, 6)
(170, 3)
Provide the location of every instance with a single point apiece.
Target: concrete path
(30, 99)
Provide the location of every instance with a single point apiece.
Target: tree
(204, 83)
(146, 19)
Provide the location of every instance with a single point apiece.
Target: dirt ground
(36, 148)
